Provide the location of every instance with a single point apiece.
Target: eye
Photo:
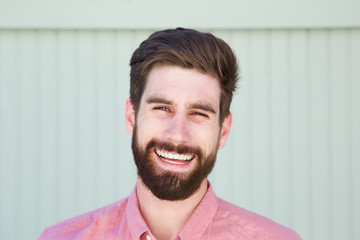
(200, 114)
(162, 108)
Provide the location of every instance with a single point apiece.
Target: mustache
(170, 147)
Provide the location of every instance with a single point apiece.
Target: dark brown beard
(168, 185)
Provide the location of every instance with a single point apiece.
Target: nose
(177, 129)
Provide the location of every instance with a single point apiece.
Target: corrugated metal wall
(293, 153)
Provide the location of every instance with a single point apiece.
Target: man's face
(176, 133)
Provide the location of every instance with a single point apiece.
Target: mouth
(174, 158)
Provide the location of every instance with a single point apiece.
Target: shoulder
(251, 225)
(88, 223)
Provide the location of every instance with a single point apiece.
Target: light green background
(293, 153)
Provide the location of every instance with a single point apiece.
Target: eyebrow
(159, 100)
(202, 106)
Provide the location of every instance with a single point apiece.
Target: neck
(166, 218)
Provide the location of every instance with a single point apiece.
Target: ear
(225, 130)
(129, 117)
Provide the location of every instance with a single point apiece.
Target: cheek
(146, 131)
(206, 138)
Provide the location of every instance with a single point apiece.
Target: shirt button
(148, 237)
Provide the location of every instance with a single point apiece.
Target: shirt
(214, 218)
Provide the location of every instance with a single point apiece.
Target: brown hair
(186, 48)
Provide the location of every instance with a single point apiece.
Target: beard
(168, 185)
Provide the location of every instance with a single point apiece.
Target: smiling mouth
(174, 158)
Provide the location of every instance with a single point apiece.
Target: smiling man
(178, 114)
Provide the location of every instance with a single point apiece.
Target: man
(178, 115)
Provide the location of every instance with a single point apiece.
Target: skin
(181, 106)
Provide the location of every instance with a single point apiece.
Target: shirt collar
(202, 217)
(136, 222)
(194, 227)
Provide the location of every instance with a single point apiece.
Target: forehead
(183, 85)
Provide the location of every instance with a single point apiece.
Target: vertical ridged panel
(280, 143)
(299, 97)
(10, 134)
(319, 117)
(292, 154)
(67, 110)
(105, 79)
(47, 136)
(87, 127)
(261, 121)
(355, 134)
(340, 132)
(28, 106)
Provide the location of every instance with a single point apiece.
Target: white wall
(293, 154)
(144, 14)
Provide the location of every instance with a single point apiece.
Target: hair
(190, 49)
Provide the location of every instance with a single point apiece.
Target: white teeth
(183, 157)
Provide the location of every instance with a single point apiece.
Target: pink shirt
(214, 218)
